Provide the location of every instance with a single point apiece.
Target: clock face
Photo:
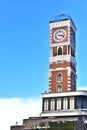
(59, 35)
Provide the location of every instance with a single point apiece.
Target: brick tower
(62, 70)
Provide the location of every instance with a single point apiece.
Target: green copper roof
(61, 17)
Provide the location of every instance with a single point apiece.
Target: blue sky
(24, 53)
(24, 44)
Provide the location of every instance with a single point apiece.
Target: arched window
(52, 104)
(59, 88)
(46, 105)
(59, 77)
(59, 51)
(71, 103)
(58, 105)
(65, 104)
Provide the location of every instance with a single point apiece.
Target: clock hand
(60, 35)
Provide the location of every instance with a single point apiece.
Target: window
(71, 103)
(52, 104)
(73, 79)
(46, 105)
(84, 103)
(65, 104)
(59, 88)
(72, 52)
(79, 102)
(59, 51)
(59, 77)
(58, 106)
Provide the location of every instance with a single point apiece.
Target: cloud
(16, 109)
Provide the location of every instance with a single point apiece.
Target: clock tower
(62, 102)
(62, 67)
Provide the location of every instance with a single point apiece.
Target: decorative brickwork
(62, 57)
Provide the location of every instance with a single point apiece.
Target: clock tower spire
(62, 67)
